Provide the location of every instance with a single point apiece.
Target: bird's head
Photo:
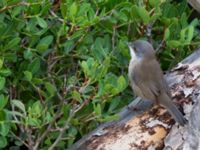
(141, 49)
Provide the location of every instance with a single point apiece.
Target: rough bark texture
(153, 128)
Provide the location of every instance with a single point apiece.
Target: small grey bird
(147, 79)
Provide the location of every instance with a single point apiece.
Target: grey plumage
(147, 79)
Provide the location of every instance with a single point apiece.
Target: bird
(147, 80)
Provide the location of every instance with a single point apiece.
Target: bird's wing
(149, 79)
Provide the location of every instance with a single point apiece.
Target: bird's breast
(134, 63)
(137, 91)
(133, 75)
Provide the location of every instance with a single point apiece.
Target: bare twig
(54, 15)
(18, 138)
(113, 38)
(13, 109)
(65, 85)
(129, 29)
(82, 37)
(51, 64)
(66, 125)
(61, 98)
(40, 138)
(23, 3)
(162, 43)
(12, 6)
(60, 19)
(30, 138)
(148, 32)
(149, 36)
(62, 130)
(40, 95)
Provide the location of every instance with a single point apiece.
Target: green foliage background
(63, 63)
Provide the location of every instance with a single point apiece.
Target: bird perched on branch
(147, 79)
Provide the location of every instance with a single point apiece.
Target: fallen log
(150, 127)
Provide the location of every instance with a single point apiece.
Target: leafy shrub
(63, 63)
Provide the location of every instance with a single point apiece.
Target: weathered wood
(192, 141)
(187, 138)
(195, 4)
(137, 130)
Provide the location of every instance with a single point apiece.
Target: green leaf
(114, 91)
(48, 117)
(18, 114)
(66, 110)
(97, 109)
(34, 113)
(3, 101)
(190, 33)
(157, 14)
(77, 96)
(63, 9)
(174, 43)
(44, 43)
(41, 22)
(3, 142)
(121, 16)
(114, 103)
(111, 118)
(19, 105)
(87, 89)
(194, 22)
(89, 67)
(105, 66)
(5, 72)
(13, 43)
(134, 12)
(37, 81)
(3, 115)
(34, 66)
(37, 109)
(154, 3)
(144, 15)
(72, 131)
(34, 122)
(2, 82)
(1, 63)
(121, 83)
(73, 9)
(166, 34)
(85, 67)
(4, 128)
(50, 88)
(182, 35)
(28, 54)
(28, 75)
(68, 46)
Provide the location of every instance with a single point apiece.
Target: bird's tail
(173, 110)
